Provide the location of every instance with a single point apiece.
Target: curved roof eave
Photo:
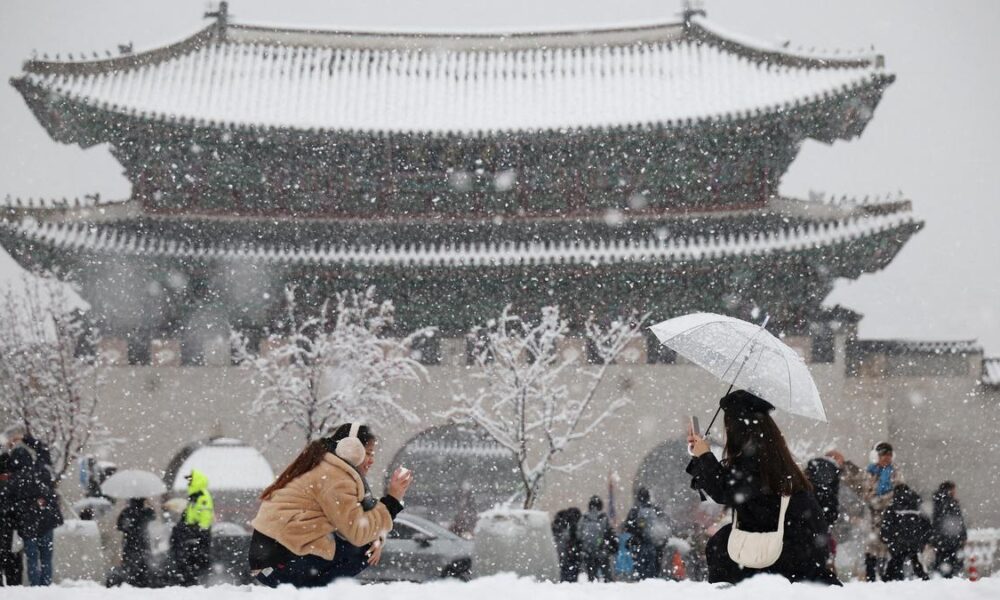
(86, 238)
(877, 82)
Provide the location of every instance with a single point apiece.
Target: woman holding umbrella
(778, 527)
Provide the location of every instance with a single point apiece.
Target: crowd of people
(319, 520)
(31, 510)
(756, 471)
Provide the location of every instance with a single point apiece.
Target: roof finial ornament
(693, 8)
(221, 16)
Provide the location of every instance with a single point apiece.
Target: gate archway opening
(459, 471)
(662, 472)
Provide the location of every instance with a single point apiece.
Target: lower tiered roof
(798, 227)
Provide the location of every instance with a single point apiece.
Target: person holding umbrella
(768, 494)
(134, 522)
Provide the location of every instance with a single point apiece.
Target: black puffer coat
(806, 541)
(824, 475)
(905, 530)
(949, 533)
(133, 522)
(35, 502)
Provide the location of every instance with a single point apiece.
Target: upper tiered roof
(653, 75)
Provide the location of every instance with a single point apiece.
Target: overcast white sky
(934, 136)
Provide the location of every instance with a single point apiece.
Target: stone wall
(944, 427)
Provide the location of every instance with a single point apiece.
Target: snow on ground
(507, 587)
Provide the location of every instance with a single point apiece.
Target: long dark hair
(754, 436)
(313, 454)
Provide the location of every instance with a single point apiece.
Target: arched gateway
(460, 468)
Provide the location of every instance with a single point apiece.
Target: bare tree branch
(525, 402)
(332, 367)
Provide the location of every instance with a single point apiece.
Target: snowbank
(514, 540)
(505, 587)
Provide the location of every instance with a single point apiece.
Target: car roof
(425, 525)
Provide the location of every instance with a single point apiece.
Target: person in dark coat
(598, 542)
(567, 543)
(905, 531)
(824, 473)
(37, 507)
(949, 532)
(133, 522)
(756, 471)
(11, 572)
(646, 524)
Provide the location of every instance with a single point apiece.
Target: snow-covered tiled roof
(42, 203)
(354, 81)
(81, 237)
(921, 346)
(991, 371)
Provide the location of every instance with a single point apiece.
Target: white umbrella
(133, 483)
(745, 356)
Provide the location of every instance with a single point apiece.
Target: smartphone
(695, 427)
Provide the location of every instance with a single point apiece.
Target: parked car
(420, 550)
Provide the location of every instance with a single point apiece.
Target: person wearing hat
(757, 471)
(191, 538)
(882, 477)
(318, 521)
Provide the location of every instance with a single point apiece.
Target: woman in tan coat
(318, 521)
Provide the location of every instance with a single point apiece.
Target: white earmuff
(350, 448)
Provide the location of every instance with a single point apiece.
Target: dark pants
(569, 567)
(894, 570)
(11, 570)
(722, 568)
(647, 561)
(314, 571)
(38, 552)
(598, 567)
(871, 567)
(947, 562)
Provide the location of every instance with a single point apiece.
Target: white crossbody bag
(752, 550)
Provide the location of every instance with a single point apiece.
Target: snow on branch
(333, 366)
(533, 396)
(49, 369)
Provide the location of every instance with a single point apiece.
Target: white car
(420, 550)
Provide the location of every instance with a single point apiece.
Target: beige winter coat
(302, 515)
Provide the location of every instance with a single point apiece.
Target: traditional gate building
(606, 170)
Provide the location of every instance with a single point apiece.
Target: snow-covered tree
(333, 366)
(49, 369)
(534, 397)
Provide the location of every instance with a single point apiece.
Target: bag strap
(781, 515)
